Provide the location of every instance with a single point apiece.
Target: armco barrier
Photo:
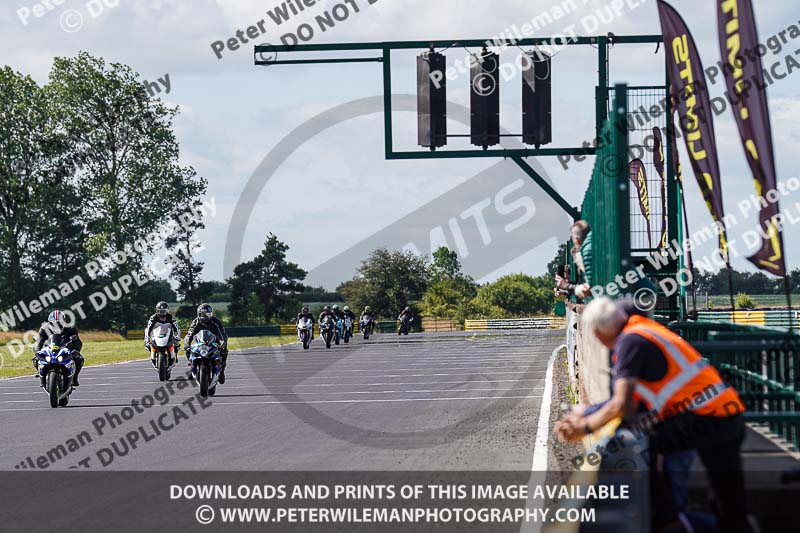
(782, 318)
(440, 324)
(546, 322)
(244, 331)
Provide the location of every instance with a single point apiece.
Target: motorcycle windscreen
(161, 334)
(205, 337)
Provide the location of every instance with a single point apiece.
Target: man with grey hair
(691, 406)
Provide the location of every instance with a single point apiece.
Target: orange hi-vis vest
(690, 384)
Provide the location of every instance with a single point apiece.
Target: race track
(438, 401)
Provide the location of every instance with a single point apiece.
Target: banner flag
(639, 178)
(690, 96)
(741, 65)
(658, 161)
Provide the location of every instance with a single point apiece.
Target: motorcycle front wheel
(52, 387)
(162, 366)
(203, 379)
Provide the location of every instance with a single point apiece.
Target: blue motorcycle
(206, 362)
(56, 370)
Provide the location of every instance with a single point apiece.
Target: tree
(265, 288)
(450, 291)
(515, 295)
(129, 176)
(184, 268)
(33, 169)
(387, 281)
(213, 291)
(559, 260)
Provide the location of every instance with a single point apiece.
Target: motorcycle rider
(367, 312)
(305, 314)
(206, 321)
(55, 326)
(348, 313)
(326, 311)
(161, 316)
(407, 313)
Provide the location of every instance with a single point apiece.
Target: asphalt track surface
(437, 401)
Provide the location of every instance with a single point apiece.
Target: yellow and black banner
(690, 96)
(639, 178)
(658, 161)
(741, 64)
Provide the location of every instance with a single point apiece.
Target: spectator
(580, 233)
(693, 408)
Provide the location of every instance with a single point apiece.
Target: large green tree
(450, 291)
(129, 176)
(388, 281)
(267, 287)
(515, 295)
(34, 166)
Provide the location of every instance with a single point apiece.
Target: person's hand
(570, 429)
(582, 291)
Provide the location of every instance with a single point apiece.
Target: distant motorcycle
(305, 328)
(164, 348)
(206, 362)
(326, 330)
(348, 329)
(56, 369)
(339, 333)
(405, 325)
(367, 324)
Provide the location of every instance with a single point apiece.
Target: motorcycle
(405, 325)
(348, 329)
(326, 330)
(339, 333)
(366, 325)
(206, 362)
(305, 328)
(56, 370)
(163, 350)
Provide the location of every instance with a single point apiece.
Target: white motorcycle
(164, 349)
(305, 330)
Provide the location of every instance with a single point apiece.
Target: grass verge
(98, 353)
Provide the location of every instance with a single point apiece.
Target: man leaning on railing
(692, 407)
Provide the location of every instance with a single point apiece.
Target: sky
(329, 188)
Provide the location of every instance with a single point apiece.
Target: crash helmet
(305, 309)
(204, 312)
(407, 309)
(335, 307)
(346, 308)
(367, 308)
(327, 308)
(162, 309)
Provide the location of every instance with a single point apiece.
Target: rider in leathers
(161, 316)
(206, 321)
(54, 326)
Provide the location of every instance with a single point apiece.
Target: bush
(743, 301)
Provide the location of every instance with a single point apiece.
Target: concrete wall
(589, 360)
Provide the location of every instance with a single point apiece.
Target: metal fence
(761, 363)
(545, 322)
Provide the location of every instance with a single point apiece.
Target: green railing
(761, 363)
(605, 205)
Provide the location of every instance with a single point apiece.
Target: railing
(761, 363)
(782, 318)
(546, 322)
